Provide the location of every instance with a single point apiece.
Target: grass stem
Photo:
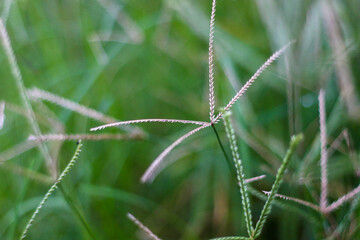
(222, 148)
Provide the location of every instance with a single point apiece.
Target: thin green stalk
(239, 172)
(295, 140)
(223, 150)
(77, 213)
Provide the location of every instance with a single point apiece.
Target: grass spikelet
(39, 94)
(89, 137)
(52, 189)
(142, 227)
(324, 158)
(146, 121)
(343, 199)
(295, 140)
(297, 200)
(254, 179)
(156, 164)
(268, 62)
(239, 172)
(211, 62)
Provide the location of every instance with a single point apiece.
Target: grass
(106, 61)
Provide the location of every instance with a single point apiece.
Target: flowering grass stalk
(148, 176)
(239, 172)
(158, 163)
(52, 189)
(295, 140)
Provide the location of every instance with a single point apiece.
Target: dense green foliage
(149, 59)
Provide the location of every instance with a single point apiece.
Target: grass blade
(9, 52)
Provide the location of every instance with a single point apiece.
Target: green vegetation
(77, 65)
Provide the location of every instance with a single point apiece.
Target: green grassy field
(122, 60)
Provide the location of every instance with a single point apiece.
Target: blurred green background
(149, 59)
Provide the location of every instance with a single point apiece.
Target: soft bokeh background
(148, 59)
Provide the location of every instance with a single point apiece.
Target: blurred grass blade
(124, 20)
(5, 41)
(39, 177)
(295, 140)
(341, 62)
(17, 150)
(2, 114)
(239, 172)
(6, 10)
